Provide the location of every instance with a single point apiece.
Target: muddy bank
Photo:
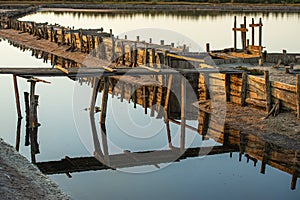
(19, 179)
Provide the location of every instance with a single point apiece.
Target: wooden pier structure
(100, 59)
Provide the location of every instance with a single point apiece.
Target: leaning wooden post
(244, 89)
(234, 33)
(182, 123)
(268, 91)
(17, 96)
(298, 94)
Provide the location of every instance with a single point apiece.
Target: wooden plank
(283, 86)
(256, 102)
(284, 96)
(149, 68)
(240, 29)
(64, 70)
(256, 79)
(255, 25)
(255, 95)
(185, 58)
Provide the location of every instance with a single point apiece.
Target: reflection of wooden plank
(129, 159)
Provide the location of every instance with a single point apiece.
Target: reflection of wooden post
(17, 96)
(103, 116)
(294, 170)
(145, 99)
(234, 34)
(26, 99)
(265, 158)
(166, 110)
(18, 134)
(183, 102)
(268, 91)
(92, 117)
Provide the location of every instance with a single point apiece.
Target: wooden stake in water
(17, 96)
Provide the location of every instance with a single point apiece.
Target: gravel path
(19, 179)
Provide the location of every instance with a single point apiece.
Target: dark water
(138, 157)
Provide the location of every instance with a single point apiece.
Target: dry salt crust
(19, 179)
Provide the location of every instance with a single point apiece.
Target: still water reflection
(230, 170)
(232, 164)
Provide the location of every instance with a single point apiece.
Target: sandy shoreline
(19, 179)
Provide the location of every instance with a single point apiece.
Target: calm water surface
(218, 176)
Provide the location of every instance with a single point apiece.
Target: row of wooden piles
(99, 44)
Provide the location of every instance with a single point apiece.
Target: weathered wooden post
(62, 36)
(80, 35)
(227, 87)
(298, 95)
(244, 89)
(207, 47)
(146, 55)
(153, 57)
(17, 96)
(268, 91)
(113, 53)
(135, 54)
(253, 34)
(18, 134)
(234, 34)
(123, 53)
(260, 32)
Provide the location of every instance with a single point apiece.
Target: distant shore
(164, 6)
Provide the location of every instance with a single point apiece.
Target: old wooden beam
(268, 91)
